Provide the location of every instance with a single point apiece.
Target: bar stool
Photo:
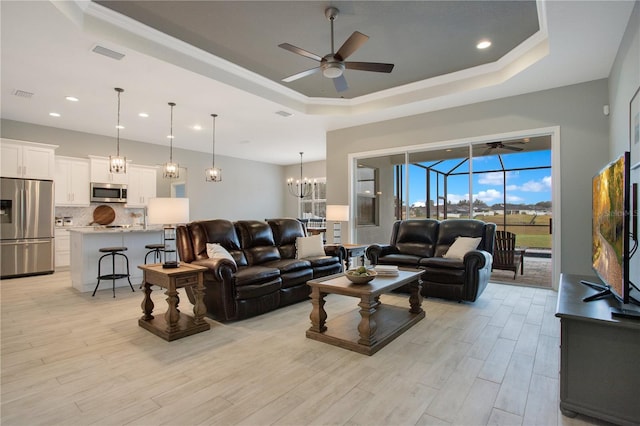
(113, 276)
(156, 249)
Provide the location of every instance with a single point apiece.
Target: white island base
(85, 244)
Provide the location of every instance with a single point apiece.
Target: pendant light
(213, 174)
(301, 188)
(118, 164)
(171, 169)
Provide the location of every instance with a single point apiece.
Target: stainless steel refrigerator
(26, 227)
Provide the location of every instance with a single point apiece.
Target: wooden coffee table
(374, 325)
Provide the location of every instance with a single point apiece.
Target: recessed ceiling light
(197, 127)
(170, 136)
(72, 98)
(120, 126)
(54, 114)
(143, 115)
(483, 44)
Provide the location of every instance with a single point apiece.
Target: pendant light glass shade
(213, 174)
(118, 164)
(171, 170)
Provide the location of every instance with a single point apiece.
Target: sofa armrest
(336, 250)
(375, 251)
(477, 259)
(219, 267)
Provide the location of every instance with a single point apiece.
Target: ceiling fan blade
(352, 44)
(369, 66)
(301, 74)
(297, 50)
(340, 83)
(511, 148)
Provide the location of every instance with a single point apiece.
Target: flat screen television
(611, 230)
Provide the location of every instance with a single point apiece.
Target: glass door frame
(553, 132)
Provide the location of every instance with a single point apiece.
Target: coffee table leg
(415, 298)
(318, 314)
(147, 303)
(368, 326)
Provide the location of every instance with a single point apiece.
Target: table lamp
(169, 212)
(337, 214)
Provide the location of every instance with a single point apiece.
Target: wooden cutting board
(104, 215)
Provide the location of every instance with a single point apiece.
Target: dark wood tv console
(599, 356)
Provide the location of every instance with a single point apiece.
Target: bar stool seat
(113, 276)
(156, 249)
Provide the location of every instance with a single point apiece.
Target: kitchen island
(86, 241)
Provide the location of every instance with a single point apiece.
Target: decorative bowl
(357, 278)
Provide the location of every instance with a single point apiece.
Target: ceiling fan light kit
(333, 64)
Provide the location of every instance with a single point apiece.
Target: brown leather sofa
(421, 243)
(264, 274)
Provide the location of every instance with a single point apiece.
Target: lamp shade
(337, 213)
(164, 211)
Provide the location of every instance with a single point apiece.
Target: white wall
(249, 190)
(584, 147)
(624, 80)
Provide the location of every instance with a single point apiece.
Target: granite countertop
(103, 230)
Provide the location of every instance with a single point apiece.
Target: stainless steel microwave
(108, 192)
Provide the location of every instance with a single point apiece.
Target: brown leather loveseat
(425, 244)
(262, 273)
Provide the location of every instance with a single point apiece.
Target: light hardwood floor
(70, 359)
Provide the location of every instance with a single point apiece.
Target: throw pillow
(461, 246)
(309, 246)
(216, 251)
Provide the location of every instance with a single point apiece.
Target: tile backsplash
(83, 216)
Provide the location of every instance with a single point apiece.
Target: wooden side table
(173, 324)
(355, 250)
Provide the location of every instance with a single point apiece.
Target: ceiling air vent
(284, 113)
(101, 50)
(22, 93)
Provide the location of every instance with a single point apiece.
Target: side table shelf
(173, 324)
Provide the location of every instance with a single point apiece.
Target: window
(367, 196)
(315, 204)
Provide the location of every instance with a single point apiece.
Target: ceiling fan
(333, 64)
(500, 145)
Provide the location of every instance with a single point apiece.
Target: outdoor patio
(537, 272)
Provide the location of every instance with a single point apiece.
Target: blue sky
(525, 186)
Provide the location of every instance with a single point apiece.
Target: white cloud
(419, 204)
(489, 196)
(493, 178)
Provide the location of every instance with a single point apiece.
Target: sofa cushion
(254, 291)
(461, 246)
(216, 251)
(288, 265)
(309, 247)
(285, 231)
(219, 231)
(399, 259)
(255, 274)
(322, 260)
(451, 229)
(257, 241)
(442, 262)
(416, 237)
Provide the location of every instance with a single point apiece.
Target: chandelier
(118, 164)
(171, 169)
(213, 174)
(301, 188)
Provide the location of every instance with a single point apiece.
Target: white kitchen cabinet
(63, 248)
(27, 160)
(72, 181)
(100, 172)
(142, 185)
